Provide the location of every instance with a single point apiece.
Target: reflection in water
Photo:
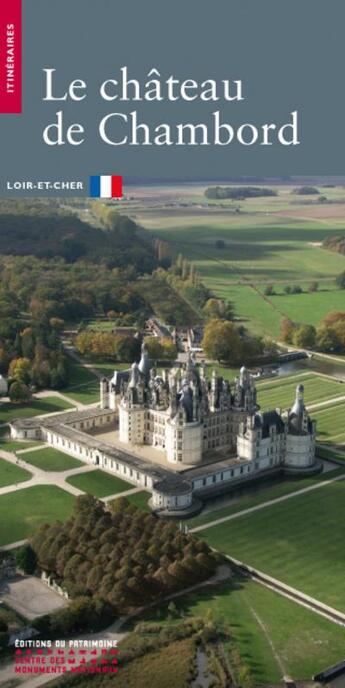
(204, 678)
(314, 364)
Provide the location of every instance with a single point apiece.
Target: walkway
(57, 478)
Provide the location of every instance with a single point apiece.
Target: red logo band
(11, 56)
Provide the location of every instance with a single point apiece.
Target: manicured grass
(304, 642)
(35, 407)
(83, 385)
(281, 392)
(326, 453)
(264, 494)
(10, 474)
(23, 511)
(299, 541)
(331, 423)
(99, 483)
(140, 499)
(15, 445)
(49, 459)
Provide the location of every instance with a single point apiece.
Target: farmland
(270, 241)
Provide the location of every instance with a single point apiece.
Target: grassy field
(271, 241)
(11, 474)
(140, 499)
(16, 445)
(331, 423)
(83, 385)
(49, 459)
(273, 635)
(259, 495)
(99, 483)
(23, 511)
(281, 392)
(35, 407)
(159, 669)
(299, 541)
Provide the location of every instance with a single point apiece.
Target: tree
(287, 330)
(304, 336)
(334, 317)
(340, 280)
(306, 191)
(269, 290)
(20, 369)
(19, 393)
(296, 289)
(326, 338)
(26, 559)
(221, 341)
(287, 289)
(217, 308)
(313, 286)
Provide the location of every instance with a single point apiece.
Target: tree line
(327, 337)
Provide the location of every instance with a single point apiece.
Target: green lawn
(10, 474)
(331, 423)
(15, 445)
(299, 541)
(99, 483)
(262, 494)
(83, 385)
(23, 511)
(35, 407)
(140, 499)
(281, 392)
(51, 460)
(295, 641)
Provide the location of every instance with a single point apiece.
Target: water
(204, 678)
(317, 365)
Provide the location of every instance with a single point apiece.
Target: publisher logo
(11, 56)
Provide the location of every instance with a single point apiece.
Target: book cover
(172, 342)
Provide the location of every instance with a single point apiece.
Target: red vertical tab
(116, 187)
(11, 56)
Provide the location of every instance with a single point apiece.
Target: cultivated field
(299, 541)
(269, 241)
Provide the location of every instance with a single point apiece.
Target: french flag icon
(105, 186)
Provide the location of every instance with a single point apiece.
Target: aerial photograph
(172, 435)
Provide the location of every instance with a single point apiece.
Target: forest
(119, 556)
